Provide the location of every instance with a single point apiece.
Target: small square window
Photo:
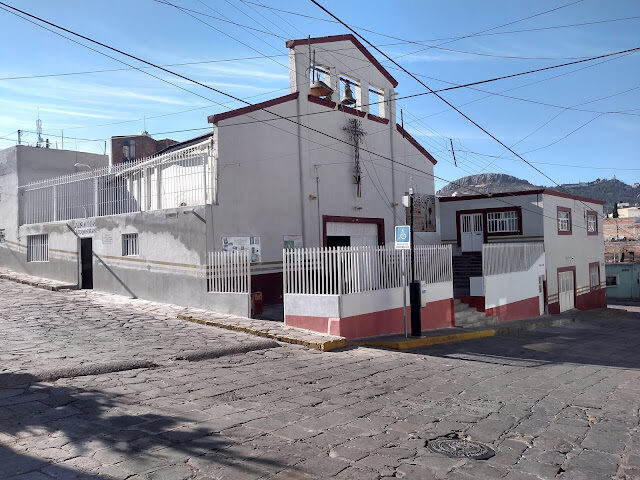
(38, 248)
(129, 244)
(612, 280)
(564, 221)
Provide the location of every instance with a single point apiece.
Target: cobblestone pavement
(47, 334)
(557, 403)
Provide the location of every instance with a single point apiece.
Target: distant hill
(607, 190)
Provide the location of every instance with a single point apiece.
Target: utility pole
(414, 289)
(19, 137)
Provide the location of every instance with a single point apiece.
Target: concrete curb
(521, 327)
(323, 346)
(38, 283)
(245, 347)
(10, 379)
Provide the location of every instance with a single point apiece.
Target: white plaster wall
(513, 287)
(312, 305)
(342, 306)
(40, 163)
(577, 249)
(532, 211)
(268, 186)
(258, 180)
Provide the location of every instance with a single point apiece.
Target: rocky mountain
(607, 190)
(485, 183)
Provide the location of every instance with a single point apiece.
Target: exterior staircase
(465, 266)
(469, 317)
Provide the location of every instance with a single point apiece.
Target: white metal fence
(345, 270)
(229, 272)
(499, 258)
(175, 179)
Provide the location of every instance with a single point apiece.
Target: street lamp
(414, 287)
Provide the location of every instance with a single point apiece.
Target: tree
(615, 210)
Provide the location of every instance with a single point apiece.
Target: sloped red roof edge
(415, 143)
(537, 191)
(252, 108)
(339, 38)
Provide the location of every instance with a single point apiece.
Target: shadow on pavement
(74, 427)
(612, 343)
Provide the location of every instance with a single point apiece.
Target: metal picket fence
(345, 270)
(170, 180)
(499, 258)
(229, 272)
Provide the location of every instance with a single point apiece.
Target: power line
(570, 165)
(422, 42)
(438, 95)
(210, 88)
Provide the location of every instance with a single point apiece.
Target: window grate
(592, 223)
(38, 248)
(564, 221)
(130, 244)
(500, 222)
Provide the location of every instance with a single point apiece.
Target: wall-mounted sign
(107, 238)
(424, 213)
(292, 241)
(230, 244)
(85, 227)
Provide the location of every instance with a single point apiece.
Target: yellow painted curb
(324, 346)
(426, 341)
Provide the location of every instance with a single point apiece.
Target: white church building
(325, 165)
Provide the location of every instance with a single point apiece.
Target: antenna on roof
(39, 141)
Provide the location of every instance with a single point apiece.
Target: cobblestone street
(100, 387)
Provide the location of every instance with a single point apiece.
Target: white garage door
(566, 290)
(359, 233)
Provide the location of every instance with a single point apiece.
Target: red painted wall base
(475, 302)
(596, 298)
(437, 314)
(527, 308)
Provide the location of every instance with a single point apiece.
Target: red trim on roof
(352, 39)
(415, 143)
(322, 101)
(537, 191)
(378, 119)
(351, 110)
(251, 108)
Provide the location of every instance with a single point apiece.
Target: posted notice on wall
(424, 213)
(230, 244)
(85, 227)
(292, 241)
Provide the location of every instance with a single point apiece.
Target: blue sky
(95, 106)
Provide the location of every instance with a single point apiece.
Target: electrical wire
(422, 42)
(206, 86)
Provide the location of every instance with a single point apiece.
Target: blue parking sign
(403, 237)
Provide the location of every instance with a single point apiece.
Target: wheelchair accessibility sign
(403, 237)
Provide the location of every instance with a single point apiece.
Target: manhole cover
(458, 448)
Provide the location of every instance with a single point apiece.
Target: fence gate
(229, 272)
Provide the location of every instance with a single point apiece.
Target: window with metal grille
(564, 220)
(594, 275)
(129, 244)
(38, 248)
(498, 222)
